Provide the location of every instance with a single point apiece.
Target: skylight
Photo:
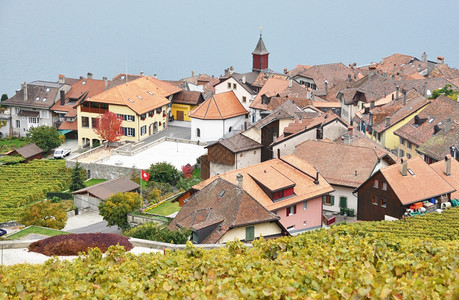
(140, 97)
(44, 99)
(47, 89)
(150, 93)
(131, 100)
(431, 120)
(222, 193)
(411, 172)
(38, 98)
(83, 83)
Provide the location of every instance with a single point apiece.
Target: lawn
(165, 209)
(92, 182)
(11, 143)
(35, 229)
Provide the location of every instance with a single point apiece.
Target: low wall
(135, 220)
(101, 171)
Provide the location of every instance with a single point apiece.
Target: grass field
(35, 229)
(92, 182)
(9, 144)
(165, 209)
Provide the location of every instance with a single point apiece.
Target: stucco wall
(243, 159)
(254, 134)
(264, 229)
(239, 91)
(212, 130)
(84, 201)
(341, 191)
(304, 219)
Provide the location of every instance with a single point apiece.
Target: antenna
(126, 71)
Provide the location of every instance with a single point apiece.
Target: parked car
(61, 153)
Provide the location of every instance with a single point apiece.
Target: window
(130, 118)
(18, 124)
(143, 130)
(229, 85)
(376, 183)
(282, 193)
(408, 144)
(249, 233)
(94, 122)
(195, 238)
(382, 202)
(230, 128)
(198, 132)
(374, 200)
(244, 99)
(384, 186)
(343, 202)
(328, 200)
(85, 122)
(402, 153)
(408, 155)
(128, 131)
(291, 228)
(33, 120)
(402, 141)
(305, 205)
(234, 86)
(291, 210)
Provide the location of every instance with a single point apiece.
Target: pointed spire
(260, 49)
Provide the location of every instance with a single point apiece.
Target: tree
(159, 233)
(45, 137)
(164, 172)
(4, 98)
(77, 179)
(46, 214)
(108, 127)
(446, 90)
(114, 210)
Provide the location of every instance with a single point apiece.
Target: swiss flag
(145, 175)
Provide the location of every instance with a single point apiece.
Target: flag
(145, 175)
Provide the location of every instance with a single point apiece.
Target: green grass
(197, 174)
(11, 143)
(35, 229)
(165, 209)
(92, 182)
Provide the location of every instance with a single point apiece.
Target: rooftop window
(130, 100)
(44, 99)
(38, 98)
(83, 83)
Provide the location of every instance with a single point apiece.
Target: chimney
(316, 180)
(419, 68)
(403, 167)
(326, 87)
(285, 71)
(395, 68)
(62, 94)
(387, 121)
(142, 73)
(154, 75)
(89, 75)
(370, 120)
(308, 94)
(447, 125)
(348, 77)
(26, 93)
(61, 79)
(448, 165)
(105, 81)
(425, 89)
(312, 96)
(440, 60)
(424, 57)
(372, 70)
(385, 74)
(244, 78)
(397, 89)
(350, 131)
(239, 178)
(231, 70)
(404, 97)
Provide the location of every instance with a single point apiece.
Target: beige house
(143, 104)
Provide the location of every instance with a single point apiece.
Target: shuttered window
(249, 233)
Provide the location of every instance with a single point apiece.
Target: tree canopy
(164, 172)
(46, 214)
(114, 210)
(108, 127)
(45, 137)
(77, 179)
(446, 90)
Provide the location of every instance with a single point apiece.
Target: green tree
(159, 233)
(46, 214)
(164, 172)
(446, 90)
(46, 137)
(114, 210)
(77, 179)
(4, 98)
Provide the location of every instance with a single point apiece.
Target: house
(234, 152)
(316, 127)
(288, 186)
(92, 196)
(380, 123)
(389, 192)
(185, 101)
(445, 141)
(31, 105)
(448, 169)
(222, 212)
(239, 85)
(439, 114)
(28, 152)
(65, 107)
(215, 117)
(142, 104)
(344, 166)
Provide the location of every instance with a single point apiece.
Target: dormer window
(282, 193)
(265, 99)
(276, 185)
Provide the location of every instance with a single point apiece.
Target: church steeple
(260, 55)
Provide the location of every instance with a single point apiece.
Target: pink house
(287, 186)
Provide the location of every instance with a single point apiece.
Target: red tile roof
(453, 178)
(219, 107)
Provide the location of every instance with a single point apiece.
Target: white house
(217, 116)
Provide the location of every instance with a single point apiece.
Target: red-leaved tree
(187, 171)
(108, 127)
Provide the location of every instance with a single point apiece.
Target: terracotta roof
(453, 178)
(272, 88)
(287, 110)
(443, 70)
(121, 79)
(263, 77)
(238, 143)
(28, 150)
(219, 107)
(105, 189)
(340, 164)
(224, 204)
(421, 128)
(292, 168)
(140, 95)
(326, 104)
(439, 145)
(402, 65)
(407, 188)
(333, 73)
(188, 97)
(40, 94)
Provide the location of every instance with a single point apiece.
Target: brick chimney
(105, 81)
(326, 86)
(448, 165)
(62, 96)
(372, 70)
(61, 78)
(440, 60)
(24, 88)
(89, 75)
(424, 57)
(404, 167)
(239, 179)
(397, 89)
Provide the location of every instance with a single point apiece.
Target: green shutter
(323, 199)
(249, 233)
(195, 238)
(332, 200)
(343, 202)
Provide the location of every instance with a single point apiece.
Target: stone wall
(135, 220)
(108, 172)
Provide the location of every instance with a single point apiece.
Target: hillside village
(279, 153)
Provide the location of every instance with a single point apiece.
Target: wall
(239, 91)
(341, 191)
(263, 229)
(253, 133)
(248, 158)
(212, 130)
(102, 171)
(312, 216)
(85, 200)
(182, 107)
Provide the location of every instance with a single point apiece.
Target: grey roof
(46, 83)
(238, 143)
(28, 150)
(105, 189)
(260, 49)
(40, 94)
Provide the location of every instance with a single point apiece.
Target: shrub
(65, 196)
(164, 172)
(114, 210)
(159, 233)
(46, 214)
(187, 171)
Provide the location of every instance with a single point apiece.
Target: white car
(61, 153)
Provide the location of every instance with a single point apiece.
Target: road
(97, 227)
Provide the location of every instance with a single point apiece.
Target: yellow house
(380, 123)
(142, 104)
(184, 102)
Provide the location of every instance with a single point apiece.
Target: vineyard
(366, 261)
(21, 184)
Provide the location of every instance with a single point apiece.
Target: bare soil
(71, 244)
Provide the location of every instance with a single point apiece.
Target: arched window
(198, 132)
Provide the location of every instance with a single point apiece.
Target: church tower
(260, 56)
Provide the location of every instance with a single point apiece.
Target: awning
(64, 131)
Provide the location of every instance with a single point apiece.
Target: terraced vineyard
(346, 262)
(21, 184)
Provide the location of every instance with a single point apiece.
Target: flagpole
(141, 197)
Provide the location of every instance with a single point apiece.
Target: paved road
(97, 227)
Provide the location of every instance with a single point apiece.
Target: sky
(42, 39)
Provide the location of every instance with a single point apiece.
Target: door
(179, 115)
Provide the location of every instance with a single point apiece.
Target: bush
(46, 214)
(164, 172)
(65, 196)
(45, 137)
(159, 233)
(187, 183)
(164, 188)
(187, 171)
(114, 210)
